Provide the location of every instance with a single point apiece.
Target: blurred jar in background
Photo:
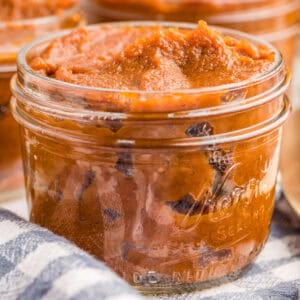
(19, 23)
(273, 20)
(290, 154)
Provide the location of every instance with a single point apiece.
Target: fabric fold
(36, 264)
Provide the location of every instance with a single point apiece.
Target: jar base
(191, 287)
(12, 194)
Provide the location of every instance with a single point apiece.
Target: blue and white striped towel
(36, 264)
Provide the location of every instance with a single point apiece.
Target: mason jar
(14, 35)
(176, 192)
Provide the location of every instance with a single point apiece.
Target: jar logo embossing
(150, 277)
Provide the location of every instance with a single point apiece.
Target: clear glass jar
(11, 173)
(275, 20)
(13, 35)
(170, 196)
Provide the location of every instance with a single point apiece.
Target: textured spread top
(13, 10)
(152, 58)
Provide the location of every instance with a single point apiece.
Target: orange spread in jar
(152, 59)
(13, 10)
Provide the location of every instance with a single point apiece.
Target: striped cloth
(36, 264)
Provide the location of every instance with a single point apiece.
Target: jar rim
(7, 69)
(253, 15)
(285, 33)
(25, 68)
(39, 20)
(248, 103)
(250, 14)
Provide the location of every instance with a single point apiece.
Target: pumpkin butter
(152, 59)
(153, 147)
(13, 10)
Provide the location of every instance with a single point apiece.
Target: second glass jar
(14, 35)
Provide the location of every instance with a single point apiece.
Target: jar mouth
(264, 12)
(39, 20)
(282, 34)
(79, 114)
(24, 67)
(37, 96)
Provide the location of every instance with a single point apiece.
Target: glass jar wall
(169, 196)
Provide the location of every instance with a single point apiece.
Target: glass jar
(170, 196)
(13, 35)
(11, 174)
(276, 20)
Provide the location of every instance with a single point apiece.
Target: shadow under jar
(274, 20)
(171, 198)
(14, 35)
